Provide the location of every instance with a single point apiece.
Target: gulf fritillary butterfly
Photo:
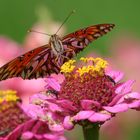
(49, 58)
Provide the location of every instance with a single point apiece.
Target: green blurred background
(17, 16)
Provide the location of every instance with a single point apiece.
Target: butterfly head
(54, 37)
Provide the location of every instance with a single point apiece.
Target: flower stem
(91, 132)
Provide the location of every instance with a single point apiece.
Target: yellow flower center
(11, 113)
(68, 67)
(8, 98)
(95, 66)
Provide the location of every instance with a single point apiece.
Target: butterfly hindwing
(41, 65)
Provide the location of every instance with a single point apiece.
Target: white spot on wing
(86, 41)
(97, 35)
(102, 27)
(106, 30)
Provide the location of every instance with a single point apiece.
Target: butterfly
(48, 59)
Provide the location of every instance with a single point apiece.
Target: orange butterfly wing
(32, 64)
(78, 40)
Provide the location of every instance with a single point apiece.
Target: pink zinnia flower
(91, 94)
(15, 124)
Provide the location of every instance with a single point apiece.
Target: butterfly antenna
(73, 11)
(38, 32)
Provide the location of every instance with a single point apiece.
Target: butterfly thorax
(56, 45)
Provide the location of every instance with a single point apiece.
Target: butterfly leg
(69, 53)
(59, 60)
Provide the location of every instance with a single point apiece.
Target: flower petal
(27, 135)
(135, 104)
(53, 137)
(99, 117)
(117, 108)
(129, 98)
(66, 104)
(82, 115)
(56, 128)
(10, 49)
(58, 77)
(36, 98)
(53, 107)
(125, 87)
(68, 123)
(115, 75)
(135, 95)
(116, 99)
(88, 104)
(33, 111)
(52, 83)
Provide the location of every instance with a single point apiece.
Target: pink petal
(66, 104)
(82, 115)
(135, 95)
(38, 137)
(125, 87)
(68, 123)
(53, 137)
(88, 104)
(116, 99)
(115, 75)
(20, 129)
(59, 77)
(33, 111)
(27, 135)
(135, 105)
(9, 49)
(117, 108)
(56, 128)
(53, 107)
(53, 83)
(99, 117)
(131, 96)
(34, 129)
(37, 97)
(50, 137)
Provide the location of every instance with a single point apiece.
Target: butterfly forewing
(43, 61)
(23, 65)
(77, 40)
